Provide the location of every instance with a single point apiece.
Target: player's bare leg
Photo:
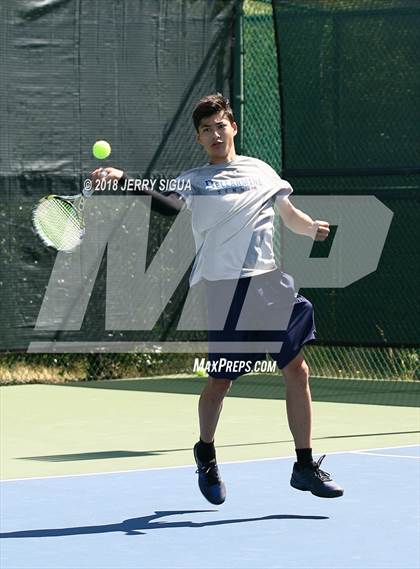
(209, 409)
(299, 401)
(306, 474)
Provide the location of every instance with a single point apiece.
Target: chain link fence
(261, 138)
(324, 361)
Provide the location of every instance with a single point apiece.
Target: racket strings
(58, 224)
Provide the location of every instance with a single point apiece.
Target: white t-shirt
(232, 217)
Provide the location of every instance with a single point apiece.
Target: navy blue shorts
(274, 320)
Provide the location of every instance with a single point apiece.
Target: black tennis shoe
(211, 485)
(313, 479)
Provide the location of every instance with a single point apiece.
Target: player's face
(216, 134)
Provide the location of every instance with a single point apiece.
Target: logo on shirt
(235, 186)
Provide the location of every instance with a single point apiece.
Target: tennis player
(233, 228)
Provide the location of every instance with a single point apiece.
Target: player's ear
(235, 128)
(197, 137)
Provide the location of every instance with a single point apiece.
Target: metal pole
(238, 76)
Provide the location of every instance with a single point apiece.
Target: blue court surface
(157, 518)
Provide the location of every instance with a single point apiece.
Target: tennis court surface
(100, 475)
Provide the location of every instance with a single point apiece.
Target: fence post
(238, 75)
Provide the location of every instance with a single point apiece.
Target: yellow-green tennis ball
(101, 149)
(201, 372)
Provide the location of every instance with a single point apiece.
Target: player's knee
(296, 374)
(304, 370)
(220, 386)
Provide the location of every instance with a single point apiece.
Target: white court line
(194, 465)
(383, 454)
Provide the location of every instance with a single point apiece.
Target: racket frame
(77, 203)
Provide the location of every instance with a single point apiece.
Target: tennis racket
(59, 220)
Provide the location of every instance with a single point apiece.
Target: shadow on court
(369, 392)
(113, 454)
(135, 526)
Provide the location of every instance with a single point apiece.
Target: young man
(231, 201)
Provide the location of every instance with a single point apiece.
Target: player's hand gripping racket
(59, 220)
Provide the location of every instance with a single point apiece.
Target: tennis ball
(201, 372)
(101, 149)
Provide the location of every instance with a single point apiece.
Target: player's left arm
(300, 222)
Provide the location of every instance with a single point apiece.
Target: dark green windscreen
(350, 109)
(73, 72)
